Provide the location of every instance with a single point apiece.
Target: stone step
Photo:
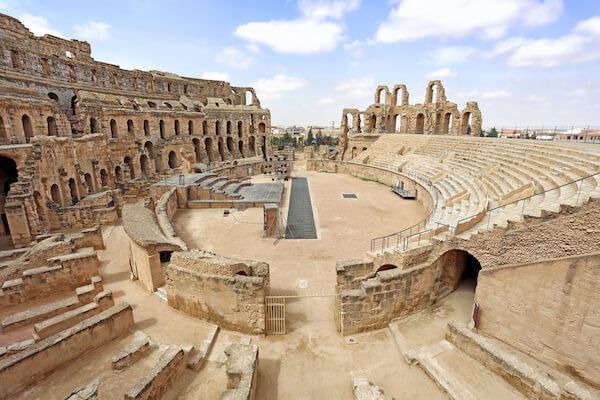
(39, 313)
(533, 378)
(460, 376)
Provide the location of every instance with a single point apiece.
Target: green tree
(309, 137)
(493, 132)
(319, 138)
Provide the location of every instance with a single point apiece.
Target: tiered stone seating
(474, 174)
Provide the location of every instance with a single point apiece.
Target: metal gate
(275, 312)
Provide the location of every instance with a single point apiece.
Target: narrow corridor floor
(300, 219)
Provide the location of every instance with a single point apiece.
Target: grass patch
(372, 180)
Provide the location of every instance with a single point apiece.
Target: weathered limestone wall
(146, 266)
(547, 309)
(242, 372)
(30, 365)
(211, 288)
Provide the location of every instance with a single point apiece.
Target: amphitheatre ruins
(154, 245)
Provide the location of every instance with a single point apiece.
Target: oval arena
(155, 244)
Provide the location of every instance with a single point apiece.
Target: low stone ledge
(242, 364)
(132, 352)
(88, 392)
(163, 375)
(37, 360)
(365, 390)
(39, 313)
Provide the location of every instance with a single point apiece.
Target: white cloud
(216, 76)
(354, 48)
(580, 45)
(294, 37)
(323, 9)
(93, 30)
(234, 57)
(441, 73)
(576, 93)
(325, 100)
(491, 19)
(38, 25)
(357, 88)
(312, 33)
(253, 48)
(272, 89)
(451, 54)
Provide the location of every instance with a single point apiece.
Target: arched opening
(354, 152)
(73, 191)
(8, 175)
(373, 123)
(446, 123)
(118, 174)
(190, 127)
(165, 256)
(146, 128)
(204, 128)
(261, 128)
(113, 128)
(52, 130)
(176, 127)
(241, 147)
(74, 105)
(53, 96)
(89, 183)
(378, 99)
(197, 151)
(264, 145)
(104, 177)
(230, 145)
(465, 123)
(221, 150)
(129, 163)
(429, 94)
(209, 151)
(420, 125)
(242, 273)
(397, 123)
(55, 194)
(248, 97)
(3, 134)
(239, 128)
(229, 127)
(217, 128)
(252, 146)
(386, 267)
(173, 160)
(161, 126)
(130, 130)
(93, 125)
(144, 165)
(27, 127)
(457, 268)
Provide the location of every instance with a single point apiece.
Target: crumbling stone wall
(228, 292)
(547, 309)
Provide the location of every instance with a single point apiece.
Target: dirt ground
(312, 361)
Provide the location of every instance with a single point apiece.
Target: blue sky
(527, 62)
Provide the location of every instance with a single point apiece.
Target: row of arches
(27, 127)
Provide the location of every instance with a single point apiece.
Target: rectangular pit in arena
(211, 190)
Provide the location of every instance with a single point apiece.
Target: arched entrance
(144, 165)
(73, 191)
(457, 268)
(420, 125)
(221, 150)
(241, 148)
(465, 123)
(173, 160)
(264, 146)
(129, 163)
(252, 146)
(209, 151)
(8, 175)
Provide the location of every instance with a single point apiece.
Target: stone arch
(261, 127)
(217, 127)
(145, 165)
(440, 95)
(176, 127)
(204, 127)
(89, 183)
(230, 145)
(27, 126)
(447, 124)
(465, 123)
(404, 99)
(53, 96)
(241, 148)
(130, 128)
(398, 121)
(354, 151)
(93, 125)
(146, 128)
(455, 267)
(386, 267)
(104, 177)
(209, 150)
(113, 128)
(229, 127)
(161, 128)
(378, 94)
(190, 127)
(221, 149)
(118, 174)
(248, 97)
(263, 146)
(73, 191)
(55, 194)
(373, 122)
(52, 129)
(173, 162)
(239, 128)
(129, 162)
(252, 145)
(420, 124)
